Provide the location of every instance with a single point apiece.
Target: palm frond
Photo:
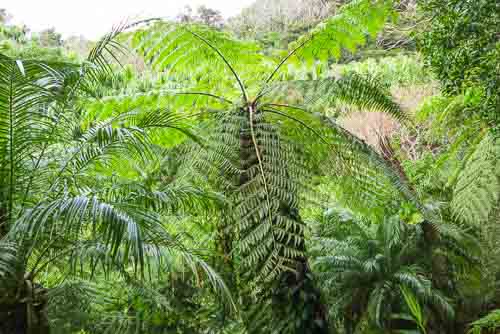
(84, 214)
(26, 88)
(9, 262)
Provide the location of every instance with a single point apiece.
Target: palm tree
(263, 142)
(373, 269)
(59, 214)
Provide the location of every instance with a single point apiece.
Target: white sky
(93, 18)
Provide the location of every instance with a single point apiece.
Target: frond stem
(221, 98)
(283, 61)
(259, 158)
(277, 112)
(224, 59)
(287, 106)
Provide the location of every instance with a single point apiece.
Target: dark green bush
(461, 45)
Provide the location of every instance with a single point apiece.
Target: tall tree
(253, 127)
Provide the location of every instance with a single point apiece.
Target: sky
(93, 18)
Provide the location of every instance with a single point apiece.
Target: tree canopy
(328, 167)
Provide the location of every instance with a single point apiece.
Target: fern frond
(348, 29)
(331, 94)
(192, 51)
(477, 189)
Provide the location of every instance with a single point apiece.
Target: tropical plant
(375, 271)
(66, 208)
(253, 125)
(415, 309)
(184, 191)
(487, 324)
(462, 48)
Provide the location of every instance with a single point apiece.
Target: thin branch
(35, 272)
(168, 92)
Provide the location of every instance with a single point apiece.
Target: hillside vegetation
(306, 167)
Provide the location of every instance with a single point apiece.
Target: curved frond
(348, 29)
(185, 51)
(477, 190)
(329, 95)
(26, 89)
(9, 263)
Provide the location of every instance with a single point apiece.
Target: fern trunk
(296, 301)
(299, 298)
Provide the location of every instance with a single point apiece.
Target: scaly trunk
(298, 290)
(296, 295)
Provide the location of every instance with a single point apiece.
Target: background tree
(462, 47)
(205, 15)
(50, 38)
(4, 16)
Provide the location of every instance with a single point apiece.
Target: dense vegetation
(330, 169)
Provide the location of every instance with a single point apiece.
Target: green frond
(410, 278)
(34, 101)
(442, 304)
(363, 175)
(78, 215)
(378, 309)
(191, 51)
(328, 96)
(477, 189)
(138, 304)
(349, 29)
(9, 263)
(378, 261)
(340, 262)
(26, 88)
(490, 322)
(99, 64)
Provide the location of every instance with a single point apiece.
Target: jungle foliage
(193, 176)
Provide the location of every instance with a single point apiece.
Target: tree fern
(249, 132)
(477, 187)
